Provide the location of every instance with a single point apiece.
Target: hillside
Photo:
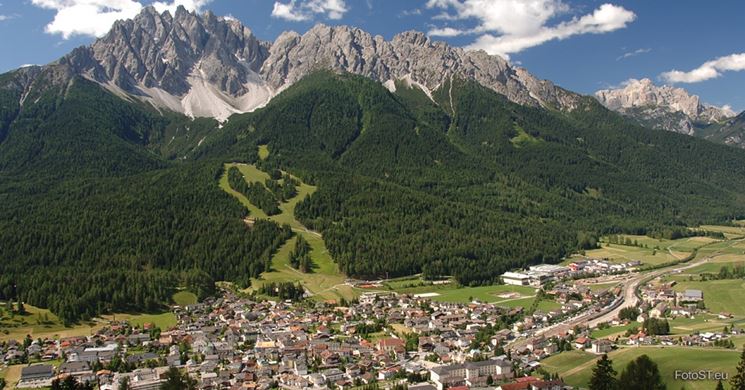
(432, 168)
(472, 184)
(93, 220)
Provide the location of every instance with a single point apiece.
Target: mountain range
(205, 65)
(426, 158)
(673, 109)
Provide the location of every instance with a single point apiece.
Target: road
(592, 318)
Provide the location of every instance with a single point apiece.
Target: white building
(516, 278)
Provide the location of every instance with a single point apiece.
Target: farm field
(622, 253)
(651, 251)
(326, 281)
(716, 263)
(729, 231)
(734, 247)
(699, 323)
(668, 360)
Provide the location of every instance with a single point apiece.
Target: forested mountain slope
(471, 184)
(93, 220)
(118, 201)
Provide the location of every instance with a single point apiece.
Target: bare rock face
(205, 65)
(409, 55)
(664, 107)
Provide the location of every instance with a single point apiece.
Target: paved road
(627, 299)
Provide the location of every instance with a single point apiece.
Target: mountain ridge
(203, 65)
(662, 107)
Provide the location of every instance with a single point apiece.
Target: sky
(581, 45)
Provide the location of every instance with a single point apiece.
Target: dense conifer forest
(110, 205)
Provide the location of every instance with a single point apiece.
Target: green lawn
(184, 298)
(326, 281)
(720, 295)
(668, 360)
(614, 330)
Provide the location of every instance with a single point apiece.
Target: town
(379, 340)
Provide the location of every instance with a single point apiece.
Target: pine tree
(720, 386)
(603, 375)
(642, 374)
(738, 380)
(176, 381)
(124, 383)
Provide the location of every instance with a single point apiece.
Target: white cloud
(95, 17)
(297, 11)
(446, 32)
(510, 26)
(633, 53)
(191, 5)
(4, 18)
(708, 70)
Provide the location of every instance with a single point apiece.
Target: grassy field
(716, 263)
(459, 294)
(454, 293)
(163, 321)
(39, 323)
(576, 369)
(657, 251)
(614, 331)
(622, 253)
(11, 374)
(184, 298)
(601, 286)
(263, 152)
(567, 361)
(729, 231)
(719, 295)
(326, 281)
(699, 323)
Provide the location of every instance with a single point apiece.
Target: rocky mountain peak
(663, 107)
(206, 65)
(645, 94)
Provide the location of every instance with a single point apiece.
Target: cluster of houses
(660, 300)
(234, 342)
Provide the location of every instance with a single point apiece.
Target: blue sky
(582, 45)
